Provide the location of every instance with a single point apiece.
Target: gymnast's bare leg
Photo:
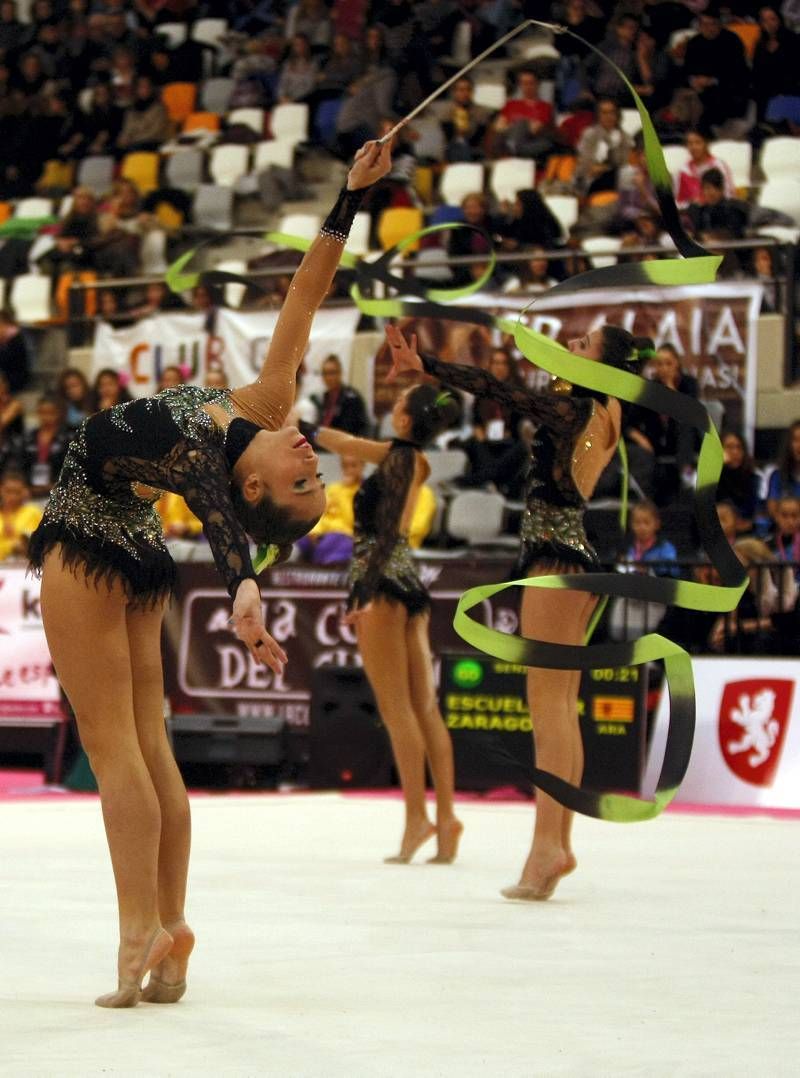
(558, 617)
(87, 633)
(382, 641)
(438, 745)
(168, 979)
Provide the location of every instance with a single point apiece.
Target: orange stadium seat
(79, 303)
(142, 168)
(180, 99)
(748, 33)
(201, 121)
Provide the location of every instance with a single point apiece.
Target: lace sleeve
(201, 475)
(397, 473)
(562, 414)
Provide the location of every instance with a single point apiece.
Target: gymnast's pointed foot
(137, 955)
(167, 982)
(414, 836)
(541, 875)
(448, 836)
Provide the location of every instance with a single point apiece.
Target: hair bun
(643, 349)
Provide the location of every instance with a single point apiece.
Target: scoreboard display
(484, 704)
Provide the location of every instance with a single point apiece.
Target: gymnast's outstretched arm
(267, 400)
(559, 413)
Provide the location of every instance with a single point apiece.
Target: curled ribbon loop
(695, 267)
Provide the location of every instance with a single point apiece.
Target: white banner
(28, 688)
(747, 742)
(238, 344)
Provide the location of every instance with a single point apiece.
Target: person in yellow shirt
(177, 519)
(331, 539)
(19, 516)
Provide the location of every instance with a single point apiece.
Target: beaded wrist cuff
(339, 221)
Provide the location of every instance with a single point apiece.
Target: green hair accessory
(266, 555)
(644, 353)
(442, 399)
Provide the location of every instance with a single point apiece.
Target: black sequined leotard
(382, 561)
(552, 531)
(110, 532)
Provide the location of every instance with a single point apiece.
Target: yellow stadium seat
(56, 174)
(180, 99)
(168, 217)
(396, 223)
(142, 168)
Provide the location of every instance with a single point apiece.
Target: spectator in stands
(99, 128)
(341, 68)
(125, 228)
(786, 540)
(108, 390)
(298, 72)
(776, 61)
(634, 188)
(50, 49)
(146, 124)
(464, 123)
(524, 125)
(619, 47)
(716, 69)
(12, 32)
(19, 517)
(340, 406)
(738, 483)
(648, 553)
(647, 548)
(311, 19)
(75, 395)
(496, 452)
(729, 522)
(571, 81)
(122, 75)
(11, 421)
(784, 481)
(216, 378)
(170, 378)
(369, 98)
(715, 212)
(764, 272)
(157, 298)
(27, 80)
(700, 161)
(749, 630)
(604, 148)
(655, 74)
(40, 452)
(465, 241)
(534, 276)
(78, 236)
(14, 356)
(662, 450)
(529, 223)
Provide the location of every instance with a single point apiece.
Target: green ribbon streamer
(694, 268)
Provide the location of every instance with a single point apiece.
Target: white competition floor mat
(672, 951)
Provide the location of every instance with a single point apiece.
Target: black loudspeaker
(347, 743)
(226, 739)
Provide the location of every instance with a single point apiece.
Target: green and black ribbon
(695, 267)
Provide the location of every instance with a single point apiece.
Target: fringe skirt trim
(148, 580)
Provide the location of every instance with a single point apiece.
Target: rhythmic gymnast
(106, 577)
(390, 608)
(577, 435)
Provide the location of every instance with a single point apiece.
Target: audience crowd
(83, 81)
